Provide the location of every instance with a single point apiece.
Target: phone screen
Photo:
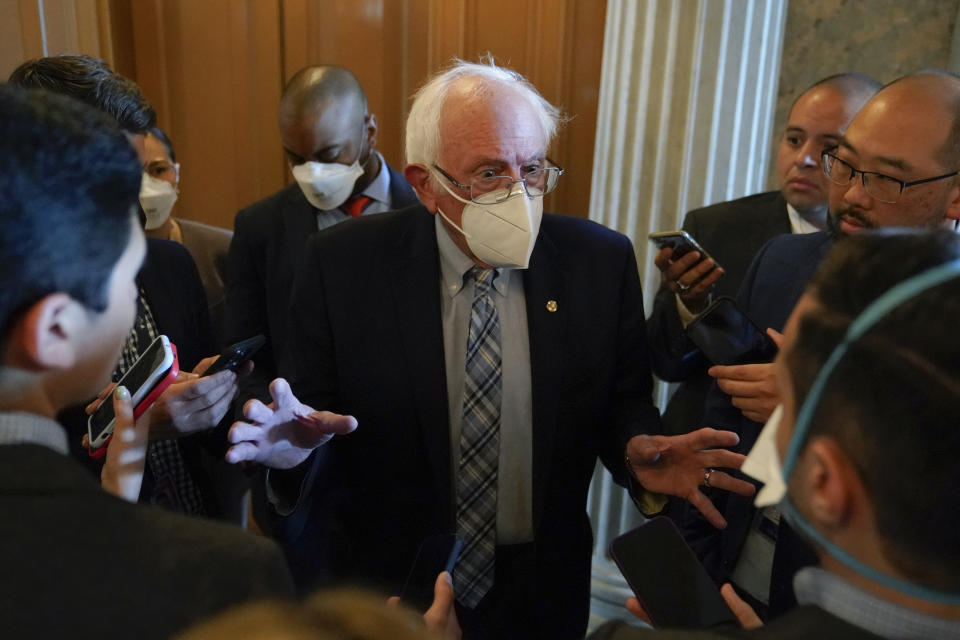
(436, 554)
(139, 380)
(668, 580)
(727, 336)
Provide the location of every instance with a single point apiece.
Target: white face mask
(763, 463)
(327, 185)
(157, 198)
(501, 234)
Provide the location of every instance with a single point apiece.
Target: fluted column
(686, 108)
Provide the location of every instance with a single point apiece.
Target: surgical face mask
(763, 463)
(501, 234)
(157, 198)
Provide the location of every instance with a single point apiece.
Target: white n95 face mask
(763, 463)
(157, 198)
(501, 234)
(327, 185)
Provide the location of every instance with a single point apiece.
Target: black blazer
(266, 252)
(773, 285)
(802, 623)
(732, 233)
(368, 336)
(83, 564)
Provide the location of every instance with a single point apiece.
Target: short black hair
(892, 401)
(164, 139)
(69, 180)
(89, 80)
(857, 87)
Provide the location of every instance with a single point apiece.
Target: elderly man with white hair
(489, 353)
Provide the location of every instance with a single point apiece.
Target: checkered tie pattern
(479, 446)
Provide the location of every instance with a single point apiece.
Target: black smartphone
(680, 241)
(236, 355)
(150, 375)
(436, 554)
(727, 336)
(668, 580)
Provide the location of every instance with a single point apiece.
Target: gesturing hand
(676, 465)
(282, 434)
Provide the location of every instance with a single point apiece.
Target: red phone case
(147, 402)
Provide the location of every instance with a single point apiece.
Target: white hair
(423, 121)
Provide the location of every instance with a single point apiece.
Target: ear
(953, 207)
(831, 484)
(43, 338)
(419, 178)
(372, 130)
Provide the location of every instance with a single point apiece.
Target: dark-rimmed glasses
(881, 187)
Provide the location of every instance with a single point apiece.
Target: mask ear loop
(890, 300)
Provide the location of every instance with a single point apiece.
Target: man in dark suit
(329, 138)
(170, 301)
(732, 232)
(82, 563)
(904, 135)
(489, 359)
(885, 516)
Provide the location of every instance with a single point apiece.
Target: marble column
(686, 107)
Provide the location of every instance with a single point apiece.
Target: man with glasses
(895, 166)
(488, 354)
(734, 231)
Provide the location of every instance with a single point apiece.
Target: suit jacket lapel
(299, 222)
(414, 276)
(543, 284)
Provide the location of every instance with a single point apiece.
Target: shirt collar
(379, 189)
(20, 427)
(884, 618)
(799, 224)
(454, 263)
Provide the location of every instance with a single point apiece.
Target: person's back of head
(890, 402)
(343, 614)
(89, 80)
(69, 181)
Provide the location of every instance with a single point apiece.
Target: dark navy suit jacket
(369, 337)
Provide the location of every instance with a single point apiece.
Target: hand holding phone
(150, 375)
(687, 275)
(436, 554)
(669, 582)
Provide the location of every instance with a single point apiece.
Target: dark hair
(892, 401)
(89, 80)
(161, 135)
(856, 86)
(68, 181)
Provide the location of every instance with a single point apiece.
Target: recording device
(668, 580)
(150, 375)
(236, 355)
(436, 554)
(727, 336)
(681, 242)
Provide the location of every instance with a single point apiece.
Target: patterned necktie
(356, 206)
(479, 446)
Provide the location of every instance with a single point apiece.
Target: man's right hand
(688, 276)
(284, 433)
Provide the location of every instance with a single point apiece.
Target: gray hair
(423, 121)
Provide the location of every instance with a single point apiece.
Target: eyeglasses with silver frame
(494, 189)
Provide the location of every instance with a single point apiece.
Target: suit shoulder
(269, 206)
(581, 231)
(758, 204)
(168, 255)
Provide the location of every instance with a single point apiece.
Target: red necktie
(356, 206)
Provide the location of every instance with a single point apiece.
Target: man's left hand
(677, 466)
(193, 403)
(752, 387)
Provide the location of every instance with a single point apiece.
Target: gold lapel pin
(551, 306)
